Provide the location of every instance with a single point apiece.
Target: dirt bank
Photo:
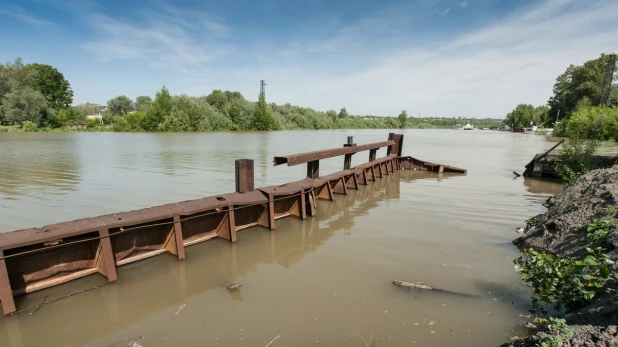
(562, 230)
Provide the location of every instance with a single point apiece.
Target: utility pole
(263, 88)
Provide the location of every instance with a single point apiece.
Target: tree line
(575, 102)
(39, 98)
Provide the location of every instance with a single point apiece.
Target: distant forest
(37, 97)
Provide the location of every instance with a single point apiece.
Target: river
(325, 281)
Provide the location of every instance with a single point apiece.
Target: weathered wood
(313, 169)
(6, 294)
(107, 256)
(180, 247)
(271, 212)
(372, 154)
(244, 175)
(302, 158)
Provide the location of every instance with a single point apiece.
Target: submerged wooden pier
(37, 258)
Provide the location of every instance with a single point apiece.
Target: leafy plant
(610, 210)
(29, 126)
(557, 329)
(577, 157)
(599, 228)
(563, 281)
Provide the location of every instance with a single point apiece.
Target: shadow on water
(158, 283)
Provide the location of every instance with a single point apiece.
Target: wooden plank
(307, 157)
(244, 175)
(180, 246)
(302, 204)
(6, 294)
(271, 212)
(232, 223)
(107, 256)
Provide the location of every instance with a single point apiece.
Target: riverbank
(578, 232)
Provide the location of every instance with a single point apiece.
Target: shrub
(29, 127)
(577, 158)
(562, 281)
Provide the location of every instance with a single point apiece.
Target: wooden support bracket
(107, 264)
(6, 294)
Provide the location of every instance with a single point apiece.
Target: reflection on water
(313, 282)
(539, 185)
(33, 166)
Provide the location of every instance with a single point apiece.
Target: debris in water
(234, 286)
(278, 336)
(432, 323)
(516, 174)
(420, 285)
(180, 308)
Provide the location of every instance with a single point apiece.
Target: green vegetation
(599, 228)
(523, 114)
(557, 330)
(563, 282)
(576, 158)
(39, 94)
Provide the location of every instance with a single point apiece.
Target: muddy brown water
(325, 281)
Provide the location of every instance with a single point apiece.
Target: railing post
(389, 149)
(347, 162)
(244, 175)
(313, 169)
(372, 154)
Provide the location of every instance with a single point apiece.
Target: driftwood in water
(420, 285)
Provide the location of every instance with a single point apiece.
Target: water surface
(313, 283)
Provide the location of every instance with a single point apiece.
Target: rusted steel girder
(302, 158)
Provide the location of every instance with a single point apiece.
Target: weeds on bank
(557, 330)
(577, 158)
(599, 228)
(563, 282)
(610, 210)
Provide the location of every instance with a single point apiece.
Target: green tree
(120, 105)
(343, 114)
(142, 102)
(402, 118)
(217, 99)
(52, 84)
(262, 116)
(576, 83)
(25, 105)
(157, 111)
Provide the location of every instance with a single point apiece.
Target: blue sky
(470, 58)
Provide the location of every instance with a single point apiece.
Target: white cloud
(23, 15)
(445, 12)
(483, 73)
(164, 36)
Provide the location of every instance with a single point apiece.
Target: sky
(433, 58)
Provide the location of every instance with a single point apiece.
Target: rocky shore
(563, 230)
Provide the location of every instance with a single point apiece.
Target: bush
(577, 158)
(563, 282)
(29, 127)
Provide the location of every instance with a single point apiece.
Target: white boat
(468, 127)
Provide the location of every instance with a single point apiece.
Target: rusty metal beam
(301, 158)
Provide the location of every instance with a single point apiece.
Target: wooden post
(271, 212)
(108, 266)
(398, 144)
(180, 246)
(347, 162)
(244, 175)
(389, 149)
(6, 294)
(372, 154)
(232, 223)
(313, 169)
